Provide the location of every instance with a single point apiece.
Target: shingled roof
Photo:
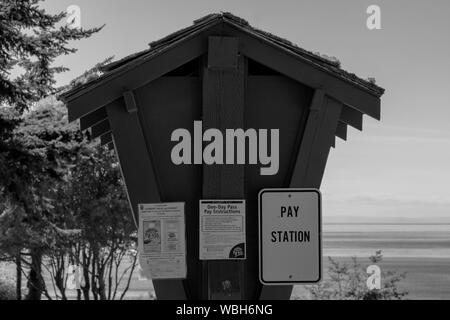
(160, 45)
(357, 96)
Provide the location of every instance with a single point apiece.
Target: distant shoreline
(389, 223)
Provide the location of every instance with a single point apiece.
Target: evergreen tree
(31, 148)
(31, 40)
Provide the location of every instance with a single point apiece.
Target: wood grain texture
(352, 117)
(223, 52)
(139, 176)
(166, 104)
(136, 76)
(130, 102)
(306, 73)
(223, 107)
(106, 138)
(317, 139)
(341, 131)
(100, 129)
(92, 118)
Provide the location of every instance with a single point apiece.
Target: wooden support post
(106, 138)
(100, 129)
(352, 117)
(341, 131)
(93, 118)
(318, 155)
(317, 139)
(138, 173)
(223, 107)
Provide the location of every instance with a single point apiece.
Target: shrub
(7, 288)
(348, 282)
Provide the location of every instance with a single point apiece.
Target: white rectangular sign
(290, 236)
(222, 229)
(162, 245)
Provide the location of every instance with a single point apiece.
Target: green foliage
(37, 145)
(7, 289)
(68, 204)
(34, 146)
(31, 41)
(93, 201)
(7, 285)
(348, 282)
(42, 148)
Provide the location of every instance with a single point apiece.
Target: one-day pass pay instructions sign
(290, 236)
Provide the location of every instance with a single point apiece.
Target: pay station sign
(290, 235)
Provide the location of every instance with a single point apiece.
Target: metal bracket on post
(130, 102)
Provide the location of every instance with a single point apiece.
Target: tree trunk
(93, 278)
(18, 277)
(85, 265)
(35, 285)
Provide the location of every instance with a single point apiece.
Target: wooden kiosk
(229, 75)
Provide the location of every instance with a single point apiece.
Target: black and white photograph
(234, 153)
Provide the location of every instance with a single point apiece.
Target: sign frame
(260, 251)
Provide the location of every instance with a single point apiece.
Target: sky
(398, 167)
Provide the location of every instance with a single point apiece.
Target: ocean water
(395, 240)
(421, 251)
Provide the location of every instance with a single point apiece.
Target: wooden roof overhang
(87, 102)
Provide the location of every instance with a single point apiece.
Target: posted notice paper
(222, 229)
(162, 243)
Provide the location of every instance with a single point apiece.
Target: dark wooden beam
(106, 138)
(308, 73)
(341, 131)
(136, 75)
(222, 52)
(130, 102)
(317, 139)
(139, 176)
(315, 167)
(100, 129)
(92, 118)
(316, 114)
(352, 117)
(223, 107)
